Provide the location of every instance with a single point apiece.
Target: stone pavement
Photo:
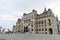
(29, 37)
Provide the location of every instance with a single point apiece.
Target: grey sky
(11, 10)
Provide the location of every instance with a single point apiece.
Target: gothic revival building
(43, 23)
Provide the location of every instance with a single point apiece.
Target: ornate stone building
(43, 23)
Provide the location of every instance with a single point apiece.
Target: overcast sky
(11, 10)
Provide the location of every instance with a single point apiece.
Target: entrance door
(50, 31)
(25, 29)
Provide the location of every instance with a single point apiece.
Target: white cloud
(10, 17)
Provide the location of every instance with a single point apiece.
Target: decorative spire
(45, 9)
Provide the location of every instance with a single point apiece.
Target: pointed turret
(45, 9)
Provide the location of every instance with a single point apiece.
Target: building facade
(44, 23)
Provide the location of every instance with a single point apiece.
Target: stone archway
(50, 31)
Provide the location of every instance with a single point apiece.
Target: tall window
(49, 24)
(39, 26)
(31, 25)
(45, 29)
(49, 20)
(36, 29)
(32, 30)
(39, 22)
(39, 29)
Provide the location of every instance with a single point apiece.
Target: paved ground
(28, 37)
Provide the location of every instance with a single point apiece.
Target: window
(25, 21)
(37, 32)
(42, 33)
(39, 26)
(32, 25)
(32, 30)
(45, 29)
(49, 24)
(42, 29)
(36, 29)
(39, 29)
(18, 31)
(39, 22)
(49, 20)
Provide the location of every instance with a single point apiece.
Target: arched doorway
(25, 29)
(50, 31)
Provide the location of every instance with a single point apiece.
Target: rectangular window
(42, 29)
(36, 29)
(42, 33)
(32, 25)
(45, 29)
(49, 20)
(39, 29)
(32, 30)
(39, 26)
(37, 32)
(39, 22)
